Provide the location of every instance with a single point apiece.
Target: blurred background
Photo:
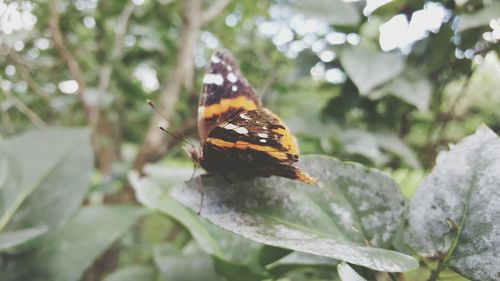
(385, 83)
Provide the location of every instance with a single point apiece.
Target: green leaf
(411, 87)
(357, 206)
(311, 274)
(297, 260)
(357, 141)
(394, 7)
(12, 239)
(479, 18)
(346, 273)
(65, 253)
(150, 194)
(407, 179)
(10, 176)
(335, 12)
(230, 250)
(53, 168)
(392, 143)
(315, 99)
(132, 273)
(190, 265)
(455, 211)
(373, 145)
(388, 9)
(270, 254)
(368, 68)
(238, 271)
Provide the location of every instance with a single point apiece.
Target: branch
(213, 11)
(121, 29)
(181, 77)
(60, 46)
(117, 51)
(24, 109)
(21, 66)
(68, 57)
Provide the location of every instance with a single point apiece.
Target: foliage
(356, 208)
(326, 67)
(35, 177)
(346, 273)
(44, 233)
(337, 224)
(460, 212)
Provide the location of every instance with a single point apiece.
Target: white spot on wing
(231, 77)
(229, 68)
(230, 126)
(263, 140)
(244, 116)
(237, 129)
(241, 130)
(234, 88)
(211, 78)
(215, 59)
(263, 135)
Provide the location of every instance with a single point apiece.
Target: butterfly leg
(194, 172)
(202, 194)
(201, 201)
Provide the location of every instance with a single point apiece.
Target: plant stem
(435, 273)
(442, 262)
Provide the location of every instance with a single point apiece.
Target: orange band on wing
(246, 145)
(287, 140)
(305, 178)
(224, 104)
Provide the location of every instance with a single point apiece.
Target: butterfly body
(238, 135)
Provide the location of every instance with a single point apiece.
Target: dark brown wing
(224, 92)
(255, 143)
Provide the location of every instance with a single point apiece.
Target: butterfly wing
(224, 93)
(255, 143)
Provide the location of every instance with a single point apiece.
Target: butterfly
(237, 134)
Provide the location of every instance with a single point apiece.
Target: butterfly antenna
(153, 106)
(176, 136)
(181, 137)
